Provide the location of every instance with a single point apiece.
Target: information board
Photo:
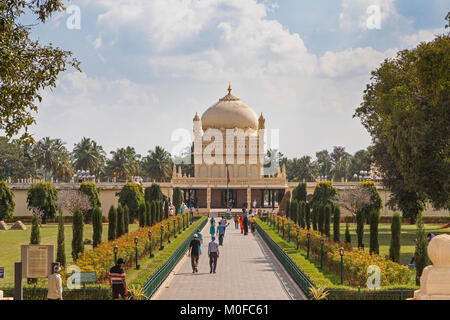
(37, 260)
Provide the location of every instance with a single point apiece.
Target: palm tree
(301, 169)
(87, 155)
(158, 164)
(124, 163)
(52, 158)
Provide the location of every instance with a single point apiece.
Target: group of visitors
(244, 221)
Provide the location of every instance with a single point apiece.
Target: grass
(384, 238)
(149, 266)
(10, 241)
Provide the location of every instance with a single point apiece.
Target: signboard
(2, 272)
(37, 260)
(88, 277)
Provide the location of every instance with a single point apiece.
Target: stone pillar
(208, 199)
(249, 199)
(435, 279)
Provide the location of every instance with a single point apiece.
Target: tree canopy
(26, 66)
(406, 108)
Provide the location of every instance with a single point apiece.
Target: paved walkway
(246, 270)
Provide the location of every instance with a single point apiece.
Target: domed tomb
(229, 113)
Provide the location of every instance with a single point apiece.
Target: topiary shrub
(97, 226)
(142, 215)
(7, 204)
(374, 219)
(307, 216)
(348, 237)
(421, 252)
(177, 198)
(315, 216)
(324, 193)
(299, 193)
(126, 218)
(394, 249)
(35, 237)
(148, 212)
(336, 223)
(112, 223)
(360, 228)
(166, 209)
(321, 218)
(131, 196)
(120, 221)
(61, 248)
(153, 193)
(41, 199)
(327, 220)
(91, 190)
(77, 231)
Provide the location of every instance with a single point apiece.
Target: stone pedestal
(435, 279)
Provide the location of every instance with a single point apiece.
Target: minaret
(198, 142)
(261, 142)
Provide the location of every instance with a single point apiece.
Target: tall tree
(153, 193)
(35, 237)
(97, 226)
(77, 238)
(324, 163)
(405, 107)
(123, 164)
(112, 223)
(7, 204)
(421, 252)
(17, 162)
(360, 161)
(394, 249)
(88, 155)
(27, 67)
(338, 155)
(41, 199)
(53, 159)
(177, 199)
(157, 164)
(61, 247)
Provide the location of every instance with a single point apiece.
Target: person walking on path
(253, 224)
(241, 223)
(212, 228)
(221, 230)
(245, 222)
(55, 287)
(117, 280)
(194, 253)
(200, 238)
(236, 221)
(213, 254)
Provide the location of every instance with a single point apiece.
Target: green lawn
(384, 238)
(11, 240)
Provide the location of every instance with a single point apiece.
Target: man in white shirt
(55, 288)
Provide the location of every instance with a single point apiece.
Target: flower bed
(356, 261)
(101, 259)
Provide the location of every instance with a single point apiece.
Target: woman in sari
(212, 228)
(241, 223)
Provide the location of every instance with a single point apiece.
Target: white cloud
(355, 13)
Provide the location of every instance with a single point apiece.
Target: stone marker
(18, 226)
(3, 225)
(435, 279)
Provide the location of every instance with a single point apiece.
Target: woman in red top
(241, 223)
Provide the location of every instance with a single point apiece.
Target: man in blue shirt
(221, 231)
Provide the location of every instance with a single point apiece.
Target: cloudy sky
(149, 65)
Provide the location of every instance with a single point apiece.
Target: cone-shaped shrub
(314, 215)
(336, 223)
(327, 220)
(288, 208)
(421, 252)
(394, 249)
(148, 212)
(321, 220)
(142, 215)
(360, 228)
(61, 248)
(35, 237)
(77, 239)
(307, 216)
(120, 221)
(166, 209)
(374, 220)
(97, 225)
(348, 237)
(112, 223)
(126, 218)
(154, 212)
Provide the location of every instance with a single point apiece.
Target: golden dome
(229, 113)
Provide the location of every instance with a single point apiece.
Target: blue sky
(149, 65)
